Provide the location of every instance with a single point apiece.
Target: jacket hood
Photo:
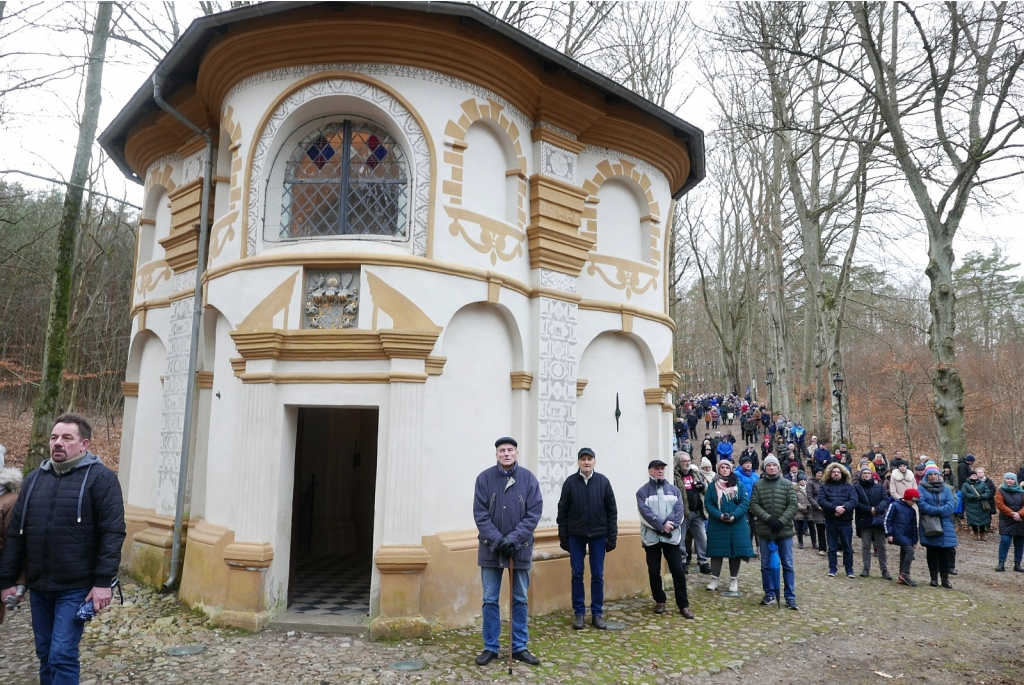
(10, 479)
(87, 460)
(827, 476)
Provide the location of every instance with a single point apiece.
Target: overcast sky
(39, 130)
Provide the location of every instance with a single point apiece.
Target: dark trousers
(822, 538)
(577, 552)
(938, 560)
(806, 526)
(674, 557)
(840, 536)
(906, 559)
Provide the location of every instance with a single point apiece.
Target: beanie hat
(930, 469)
(865, 469)
(745, 459)
(896, 463)
(801, 476)
(771, 460)
(1010, 475)
(919, 467)
(911, 493)
(705, 463)
(969, 457)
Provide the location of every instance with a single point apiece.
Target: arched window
(347, 178)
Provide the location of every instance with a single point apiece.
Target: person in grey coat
(662, 510)
(507, 508)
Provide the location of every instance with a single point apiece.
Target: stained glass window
(347, 178)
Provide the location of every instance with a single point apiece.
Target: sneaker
(734, 585)
(886, 576)
(864, 574)
(799, 545)
(526, 657)
(952, 571)
(821, 552)
(905, 580)
(578, 622)
(831, 574)
(713, 585)
(791, 604)
(705, 568)
(686, 569)
(486, 657)
(768, 599)
(849, 574)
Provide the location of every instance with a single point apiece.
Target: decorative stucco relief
(173, 412)
(150, 275)
(331, 300)
(192, 166)
(559, 281)
(556, 407)
(627, 274)
(557, 162)
(496, 238)
(556, 129)
(370, 69)
(419, 153)
(184, 280)
(644, 166)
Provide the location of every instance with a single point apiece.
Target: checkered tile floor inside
(334, 584)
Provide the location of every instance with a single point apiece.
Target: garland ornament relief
(627, 273)
(494, 234)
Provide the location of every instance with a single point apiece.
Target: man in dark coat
(587, 519)
(506, 506)
(66, 533)
(838, 500)
(964, 470)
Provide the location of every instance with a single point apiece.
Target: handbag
(931, 525)
(986, 505)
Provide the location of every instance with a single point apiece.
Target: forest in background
(843, 133)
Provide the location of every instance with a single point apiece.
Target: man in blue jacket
(662, 510)
(587, 519)
(66, 533)
(506, 506)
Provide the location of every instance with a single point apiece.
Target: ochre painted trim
(248, 554)
(347, 378)
(205, 379)
(626, 311)
(581, 384)
(654, 396)
(669, 380)
(327, 76)
(521, 380)
(434, 366)
(556, 139)
(129, 389)
(401, 558)
(337, 344)
(238, 366)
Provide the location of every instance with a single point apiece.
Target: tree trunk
(949, 390)
(55, 349)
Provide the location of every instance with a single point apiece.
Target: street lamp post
(837, 382)
(768, 378)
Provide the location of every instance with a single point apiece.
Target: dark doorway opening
(332, 513)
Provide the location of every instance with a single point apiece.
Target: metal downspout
(193, 355)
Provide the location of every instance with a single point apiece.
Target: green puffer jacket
(774, 496)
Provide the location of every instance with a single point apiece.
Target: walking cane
(511, 582)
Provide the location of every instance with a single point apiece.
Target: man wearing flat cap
(507, 507)
(662, 510)
(587, 520)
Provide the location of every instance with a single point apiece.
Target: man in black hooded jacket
(66, 533)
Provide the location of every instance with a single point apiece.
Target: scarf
(1014, 488)
(726, 487)
(60, 468)
(935, 488)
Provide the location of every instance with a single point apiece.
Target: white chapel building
(427, 230)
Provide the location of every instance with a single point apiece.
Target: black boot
(1001, 567)
(945, 581)
(1017, 567)
(935, 580)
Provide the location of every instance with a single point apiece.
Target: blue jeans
(577, 551)
(788, 573)
(57, 635)
(491, 578)
(1004, 547)
(839, 533)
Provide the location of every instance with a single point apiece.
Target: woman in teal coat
(726, 502)
(976, 497)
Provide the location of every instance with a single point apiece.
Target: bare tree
(60, 297)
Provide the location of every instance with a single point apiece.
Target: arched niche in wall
(314, 103)
(147, 366)
(617, 367)
(487, 187)
(622, 230)
(155, 224)
(475, 405)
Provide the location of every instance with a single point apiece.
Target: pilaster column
(401, 556)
